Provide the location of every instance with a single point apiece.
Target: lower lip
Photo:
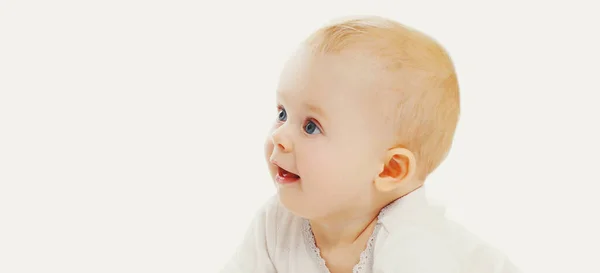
(286, 180)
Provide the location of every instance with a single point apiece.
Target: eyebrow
(315, 109)
(312, 107)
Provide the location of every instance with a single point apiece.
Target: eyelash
(308, 119)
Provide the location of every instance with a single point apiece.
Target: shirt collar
(413, 209)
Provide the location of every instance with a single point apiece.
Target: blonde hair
(425, 81)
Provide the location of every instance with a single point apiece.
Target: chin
(301, 205)
(294, 202)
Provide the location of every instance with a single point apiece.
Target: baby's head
(366, 109)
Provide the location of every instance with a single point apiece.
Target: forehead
(325, 80)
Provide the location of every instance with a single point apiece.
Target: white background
(131, 131)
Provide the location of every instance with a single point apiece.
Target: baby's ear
(399, 168)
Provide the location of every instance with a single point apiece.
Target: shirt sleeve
(486, 258)
(413, 251)
(421, 252)
(252, 255)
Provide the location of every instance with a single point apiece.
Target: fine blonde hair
(426, 85)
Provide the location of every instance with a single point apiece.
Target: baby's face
(330, 135)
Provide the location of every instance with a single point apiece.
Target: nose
(281, 141)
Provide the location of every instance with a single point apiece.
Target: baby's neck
(344, 231)
(354, 227)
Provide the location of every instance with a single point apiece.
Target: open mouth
(286, 177)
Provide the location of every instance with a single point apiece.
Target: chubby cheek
(320, 168)
(268, 150)
(325, 168)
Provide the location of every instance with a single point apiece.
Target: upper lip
(279, 166)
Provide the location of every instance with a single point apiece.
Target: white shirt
(411, 236)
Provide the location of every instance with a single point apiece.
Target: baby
(366, 110)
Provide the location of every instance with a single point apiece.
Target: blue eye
(282, 115)
(311, 128)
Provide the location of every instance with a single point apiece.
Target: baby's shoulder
(422, 239)
(279, 222)
(447, 248)
(283, 231)
(274, 213)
